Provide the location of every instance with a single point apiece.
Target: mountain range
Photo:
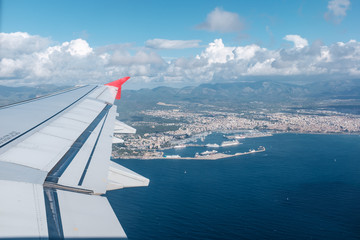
(339, 94)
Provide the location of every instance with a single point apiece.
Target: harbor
(212, 146)
(215, 156)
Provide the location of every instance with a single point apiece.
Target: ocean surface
(302, 187)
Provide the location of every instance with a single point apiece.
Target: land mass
(166, 117)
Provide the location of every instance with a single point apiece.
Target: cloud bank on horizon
(26, 58)
(29, 59)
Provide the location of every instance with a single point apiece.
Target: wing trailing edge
(120, 177)
(121, 127)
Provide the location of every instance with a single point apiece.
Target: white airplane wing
(55, 165)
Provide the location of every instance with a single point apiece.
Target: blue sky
(130, 26)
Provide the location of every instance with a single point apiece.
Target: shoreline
(223, 155)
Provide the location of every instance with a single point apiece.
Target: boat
(239, 136)
(236, 137)
(180, 146)
(212, 145)
(173, 156)
(208, 152)
(230, 143)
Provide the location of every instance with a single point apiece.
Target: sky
(177, 43)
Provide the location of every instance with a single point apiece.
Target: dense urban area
(173, 125)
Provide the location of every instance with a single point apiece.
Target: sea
(302, 187)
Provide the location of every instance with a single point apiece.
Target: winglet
(118, 83)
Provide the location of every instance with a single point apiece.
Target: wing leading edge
(55, 165)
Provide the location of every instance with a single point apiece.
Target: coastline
(224, 155)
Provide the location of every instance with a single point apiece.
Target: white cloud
(78, 47)
(247, 52)
(222, 21)
(216, 52)
(339, 7)
(75, 62)
(337, 10)
(18, 43)
(342, 59)
(298, 41)
(9, 68)
(171, 44)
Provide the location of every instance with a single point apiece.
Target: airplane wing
(55, 165)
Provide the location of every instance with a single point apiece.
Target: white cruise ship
(173, 156)
(239, 137)
(212, 145)
(180, 146)
(208, 152)
(230, 143)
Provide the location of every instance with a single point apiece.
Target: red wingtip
(118, 83)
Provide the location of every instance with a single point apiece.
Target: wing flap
(20, 173)
(94, 176)
(88, 216)
(121, 127)
(74, 171)
(121, 177)
(22, 214)
(117, 140)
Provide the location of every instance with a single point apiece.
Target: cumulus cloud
(75, 62)
(78, 47)
(171, 44)
(298, 41)
(15, 44)
(222, 21)
(340, 59)
(30, 59)
(216, 52)
(337, 10)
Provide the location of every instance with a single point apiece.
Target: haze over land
(165, 117)
(194, 66)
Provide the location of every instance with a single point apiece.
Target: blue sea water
(301, 187)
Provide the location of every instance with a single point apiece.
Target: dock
(218, 155)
